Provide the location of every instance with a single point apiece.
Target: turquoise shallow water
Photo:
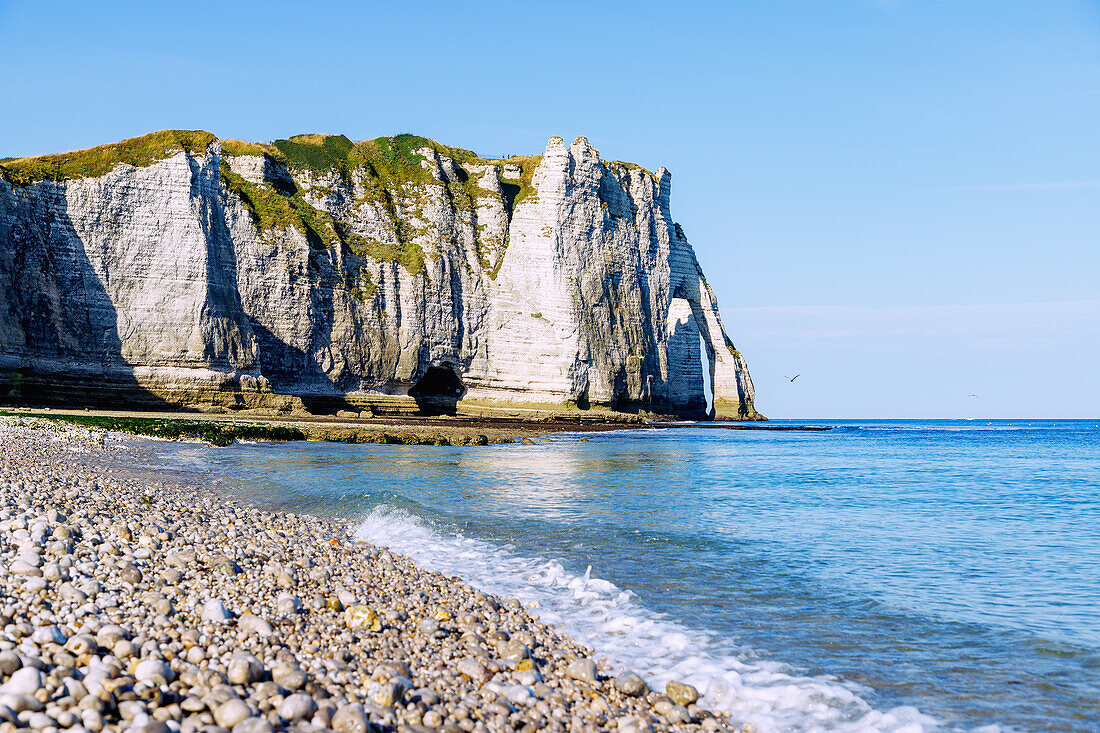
(878, 576)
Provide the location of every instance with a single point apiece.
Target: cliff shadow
(62, 346)
(290, 371)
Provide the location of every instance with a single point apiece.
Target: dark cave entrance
(439, 390)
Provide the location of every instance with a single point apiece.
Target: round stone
(35, 585)
(288, 676)
(25, 681)
(350, 719)
(681, 693)
(81, 644)
(123, 649)
(473, 669)
(520, 695)
(287, 604)
(514, 650)
(243, 669)
(361, 617)
(634, 724)
(109, 634)
(22, 567)
(92, 720)
(231, 712)
(583, 670)
(131, 709)
(149, 726)
(390, 693)
(40, 721)
(154, 671)
(130, 574)
(298, 706)
(9, 662)
(631, 684)
(253, 624)
(20, 703)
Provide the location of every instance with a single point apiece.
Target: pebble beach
(135, 602)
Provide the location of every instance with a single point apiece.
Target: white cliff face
(549, 281)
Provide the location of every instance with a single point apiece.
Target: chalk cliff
(195, 270)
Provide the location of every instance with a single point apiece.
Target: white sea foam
(764, 693)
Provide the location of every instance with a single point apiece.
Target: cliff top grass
(393, 155)
(627, 165)
(98, 161)
(231, 146)
(320, 153)
(394, 161)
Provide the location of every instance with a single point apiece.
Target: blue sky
(898, 200)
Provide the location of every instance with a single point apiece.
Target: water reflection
(946, 567)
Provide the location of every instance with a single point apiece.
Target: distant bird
(974, 396)
(792, 378)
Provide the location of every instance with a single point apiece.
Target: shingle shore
(129, 603)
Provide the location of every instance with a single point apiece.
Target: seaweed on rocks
(174, 428)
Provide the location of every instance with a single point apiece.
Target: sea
(876, 576)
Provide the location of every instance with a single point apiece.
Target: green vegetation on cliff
(392, 176)
(240, 147)
(394, 161)
(387, 165)
(523, 189)
(318, 153)
(405, 253)
(627, 166)
(389, 173)
(275, 209)
(272, 210)
(387, 169)
(98, 161)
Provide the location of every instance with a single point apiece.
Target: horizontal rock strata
(192, 270)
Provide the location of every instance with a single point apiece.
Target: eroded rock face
(207, 276)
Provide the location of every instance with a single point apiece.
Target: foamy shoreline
(133, 602)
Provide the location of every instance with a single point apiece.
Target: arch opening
(439, 390)
(707, 366)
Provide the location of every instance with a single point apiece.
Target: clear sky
(897, 199)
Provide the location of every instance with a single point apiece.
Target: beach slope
(131, 601)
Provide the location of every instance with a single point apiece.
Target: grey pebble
(631, 684)
(583, 670)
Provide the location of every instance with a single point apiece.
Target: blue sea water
(914, 575)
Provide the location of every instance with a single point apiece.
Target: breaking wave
(769, 695)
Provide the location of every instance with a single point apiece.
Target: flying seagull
(974, 396)
(792, 378)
